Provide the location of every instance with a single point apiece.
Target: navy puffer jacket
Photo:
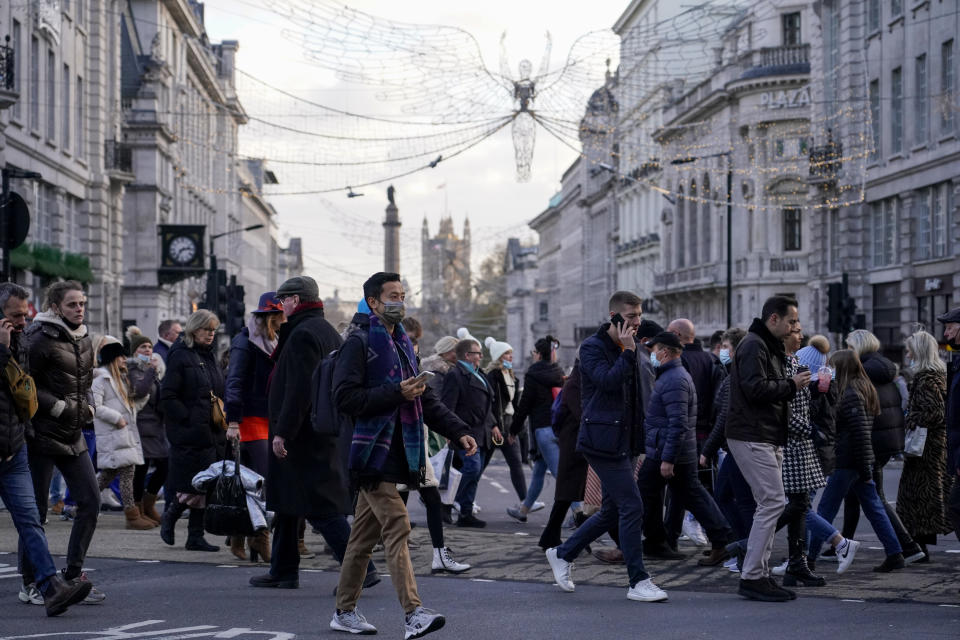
(888, 427)
(671, 417)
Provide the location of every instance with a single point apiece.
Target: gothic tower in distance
(447, 292)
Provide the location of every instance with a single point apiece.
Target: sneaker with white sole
(537, 506)
(692, 529)
(443, 561)
(731, 564)
(561, 570)
(29, 594)
(781, 569)
(352, 622)
(420, 622)
(846, 554)
(646, 591)
(913, 554)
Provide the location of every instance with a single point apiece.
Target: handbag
(449, 478)
(914, 441)
(226, 513)
(218, 415)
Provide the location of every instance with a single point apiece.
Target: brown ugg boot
(136, 521)
(148, 507)
(260, 546)
(237, 548)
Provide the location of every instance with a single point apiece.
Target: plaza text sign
(789, 99)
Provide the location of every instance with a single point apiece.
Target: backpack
(325, 418)
(22, 388)
(555, 409)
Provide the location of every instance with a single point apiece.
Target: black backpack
(326, 419)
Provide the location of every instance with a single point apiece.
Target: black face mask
(73, 327)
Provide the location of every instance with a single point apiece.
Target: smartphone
(424, 376)
(617, 321)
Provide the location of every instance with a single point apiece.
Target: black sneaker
(890, 563)
(662, 551)
(270, 582)
(762, 589)
(471, 521)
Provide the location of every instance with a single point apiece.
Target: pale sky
(343, 239)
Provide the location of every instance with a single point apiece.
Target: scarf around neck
(390, 359)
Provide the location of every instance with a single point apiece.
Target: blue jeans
(734, 498)
(817, 527)
(621, 500)
(549, 448)
(16, 491)
(838, 484)
(472, 469)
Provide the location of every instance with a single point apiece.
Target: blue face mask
(507, 364)
(724, 356)
(653, 360)
(143, 358)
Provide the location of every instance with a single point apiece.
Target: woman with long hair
(856, 410)
(504, 382)
(925, 483)
(115, 423)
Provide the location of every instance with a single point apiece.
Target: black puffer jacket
(12, 428)
(760, 390)
(195, 443)
(146, 393)
(854, 449)
(707, 374)
(888, 427)
(61, 363)
(537, 396)
(823, 415)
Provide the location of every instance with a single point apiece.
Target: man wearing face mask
(376, 383)
(951, 335)
(61, 362)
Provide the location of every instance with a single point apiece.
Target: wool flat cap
(299, 286)
(950, 316)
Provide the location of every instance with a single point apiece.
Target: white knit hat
(464, 334)
(445, 345)
(496, 349)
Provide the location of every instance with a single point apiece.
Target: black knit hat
(110, 352)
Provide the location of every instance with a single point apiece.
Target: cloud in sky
(343, 239)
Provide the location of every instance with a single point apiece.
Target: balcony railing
(772, 61)
(784, 264)
(7, 66)
(117, 156)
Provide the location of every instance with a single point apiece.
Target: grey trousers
(762, 468)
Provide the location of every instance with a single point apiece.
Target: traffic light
(835, 307)
(235, 307)
(216, 298)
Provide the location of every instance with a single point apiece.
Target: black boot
(168, 521)
(195, 541)
(58, 594)
(798, 573)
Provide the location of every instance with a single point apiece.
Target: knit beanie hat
(496, 349)
(136, 338)
(811, 357)
(445, 345)
(464, 334)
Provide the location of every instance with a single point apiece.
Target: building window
(884, 224)
(65, 111)
(81, 100)
(875, 117)
(896, 110)
(680, 228)
(34, 84)
(940, 219)
(792, 239)
(791, 29)
(920, 107)
(873, 15)
(947, 83)
(691, 230)
(886, 316)
(896, 8)
(544, 312)
(17, 52)
(803, 145)
(705, 221)
(835, 240)
(51, 95)
(778, 148)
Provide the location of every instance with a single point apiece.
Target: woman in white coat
(115, 420)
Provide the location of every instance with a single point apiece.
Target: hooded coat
(536, 399)
(116, 446)
(888, 427)
(61, 363)
(195, 442)
(145, 386)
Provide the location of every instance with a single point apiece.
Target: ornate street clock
(181, 251)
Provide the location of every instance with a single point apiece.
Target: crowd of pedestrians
(725, 446)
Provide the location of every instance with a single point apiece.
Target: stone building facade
(521, 274)
(446, 295)
(61, 117)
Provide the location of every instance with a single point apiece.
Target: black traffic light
(235, 307)
(216, 298)
(835, 307)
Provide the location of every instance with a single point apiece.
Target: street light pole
(729, 241)
(213, 286)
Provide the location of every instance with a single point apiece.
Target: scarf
(390, 360)
(469, 367)
(258, 339)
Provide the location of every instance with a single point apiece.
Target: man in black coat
(468, 394)
(951, 335)
(305, 474)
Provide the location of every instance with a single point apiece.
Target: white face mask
(724, 356)
(653, 360)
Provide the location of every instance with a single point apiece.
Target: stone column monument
(391, 235)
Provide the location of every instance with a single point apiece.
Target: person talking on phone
(375, 383)
(611, 437)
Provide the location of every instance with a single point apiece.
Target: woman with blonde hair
(115, 423)
(924, 483)
(857, 407)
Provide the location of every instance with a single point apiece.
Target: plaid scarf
(390, 359)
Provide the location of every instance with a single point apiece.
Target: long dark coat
(195, 443)
(311, 480)
(146, 392)
(473, 402)
(572, 466)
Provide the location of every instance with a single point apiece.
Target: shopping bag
(226, 513)
(449, 478)
(914, 441)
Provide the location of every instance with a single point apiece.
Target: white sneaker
(108, 499)
(537, 505)
(443, 561)
(561, 570)
(780, 570)
(352, 622)
(731, 564)
(845, 557)
(420, 622)
(692, 529)
(29, 594)
(646, 591)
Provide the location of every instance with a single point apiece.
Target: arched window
(691, 231)
(706, 221)
(680, 228)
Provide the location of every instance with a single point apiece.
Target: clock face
(182, 249)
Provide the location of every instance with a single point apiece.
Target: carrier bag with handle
(226, 513)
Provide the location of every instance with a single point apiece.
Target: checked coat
(801, 466)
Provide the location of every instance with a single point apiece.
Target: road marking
(952, 606)
(148, 561)
(481, 580)
(953, 550)
(130, 631)
(226, 566)
(499, 487)
(520, 533)
(312, 570)
(851, 600)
